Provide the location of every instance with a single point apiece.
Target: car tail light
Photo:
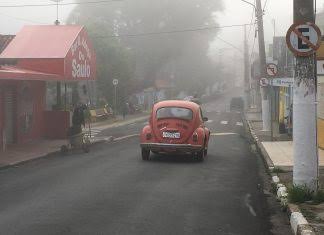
(195, 137)
(148, 136)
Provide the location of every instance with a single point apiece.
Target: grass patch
(299, 194)
(318, 197)
(308, 214)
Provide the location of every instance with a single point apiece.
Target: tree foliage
(128, 46)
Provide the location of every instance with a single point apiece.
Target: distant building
(282, 91)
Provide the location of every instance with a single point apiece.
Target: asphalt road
(112, 191)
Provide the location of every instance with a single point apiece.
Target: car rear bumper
(162, 147)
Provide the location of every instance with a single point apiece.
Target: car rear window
(174, 112)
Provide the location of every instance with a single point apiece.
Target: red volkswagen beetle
(175, 126)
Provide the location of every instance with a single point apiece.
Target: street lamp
(57, 22)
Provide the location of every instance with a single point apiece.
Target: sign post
(115, 83)
(272, 71)
(303, 39)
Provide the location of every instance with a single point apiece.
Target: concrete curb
(267, 160)
(298, 223)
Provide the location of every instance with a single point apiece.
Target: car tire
(200, 156)
(145, 154)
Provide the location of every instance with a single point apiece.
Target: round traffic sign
(303, 39)
(272, 69)
(115, 82)
(264, 82)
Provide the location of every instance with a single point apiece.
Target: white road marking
(224, 122)
(93, 132)
(224, 133)
(209, 121)
(239, 124)
(247, 201)
(125, 137)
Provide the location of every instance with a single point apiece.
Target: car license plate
(173, 135)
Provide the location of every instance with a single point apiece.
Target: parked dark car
(237, 104)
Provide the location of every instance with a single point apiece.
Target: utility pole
(305, 171)
(265, 90)
(246, 73)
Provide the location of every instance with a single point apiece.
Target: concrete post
(305, 171)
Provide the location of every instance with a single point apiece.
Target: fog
(173, 56)
(235, 12)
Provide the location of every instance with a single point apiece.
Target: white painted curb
(298, 222)
(297, 219)
(275, 179)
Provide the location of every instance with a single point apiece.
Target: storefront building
(35, 56)
(320, 95)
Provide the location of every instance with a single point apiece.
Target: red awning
(14, 73)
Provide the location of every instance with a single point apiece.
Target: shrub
(299, 194)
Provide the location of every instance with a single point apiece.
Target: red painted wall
(4, 84)
(32, 121)
(30, 116)
(1, 117)
(56, 124)
(53, 66)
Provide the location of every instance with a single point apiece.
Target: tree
(114, 60)
(134, 24)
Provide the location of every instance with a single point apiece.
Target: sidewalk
(26, 152)
(280, 151)
(278, 155)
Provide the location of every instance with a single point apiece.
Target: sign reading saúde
(81, 58)
(272, 69)
(303, 39)
(80, 62)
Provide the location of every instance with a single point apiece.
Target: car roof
(177, 103)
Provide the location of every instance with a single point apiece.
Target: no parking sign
(303, 39)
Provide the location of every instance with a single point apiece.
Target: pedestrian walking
(125, 108)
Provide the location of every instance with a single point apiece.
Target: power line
(60, 4)
(230, 44)
(265, 4)
(181, 31)
(172, 31)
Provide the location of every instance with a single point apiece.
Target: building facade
(35, 56)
